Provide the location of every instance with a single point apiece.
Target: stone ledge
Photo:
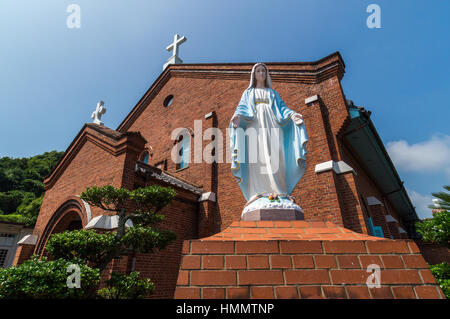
(277, 259)
(287, 230)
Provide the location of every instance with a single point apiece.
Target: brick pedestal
(298, 259)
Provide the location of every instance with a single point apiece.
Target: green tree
(21, 186)
(442, 274)
(10, 200)
(126, 287)
(142, 206)
(436, 229)
(443, 201)
(94, 251)
(29, 210)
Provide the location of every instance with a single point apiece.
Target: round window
(168, 100)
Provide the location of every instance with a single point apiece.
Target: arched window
(184, 151)
(145, 157)
(168, 100)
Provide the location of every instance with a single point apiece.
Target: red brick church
(356, 210)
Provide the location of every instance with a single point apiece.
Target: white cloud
(421, 203)
(429, 156)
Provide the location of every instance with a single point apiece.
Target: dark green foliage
(442, 274)
(152, 198)
(145, 239)
(107, 197)
(98, 250)
(33, 186)
(126, 287)
(48, 279)
(29, 210)
(13, 218)
(81, 245)
(10, 200)
(43, 279)
(436, 229)
(21, 185)
(147, 202)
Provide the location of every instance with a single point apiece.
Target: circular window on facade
(168, 101)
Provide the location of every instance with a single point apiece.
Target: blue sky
(52, 77)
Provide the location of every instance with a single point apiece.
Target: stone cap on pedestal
(287, 230)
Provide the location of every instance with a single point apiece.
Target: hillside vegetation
(21, 186)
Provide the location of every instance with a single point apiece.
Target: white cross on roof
(174, 59)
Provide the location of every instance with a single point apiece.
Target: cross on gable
(177, 41)
(174, 59)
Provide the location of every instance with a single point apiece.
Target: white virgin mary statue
(268, 150)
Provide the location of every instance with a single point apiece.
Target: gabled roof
(108, 139)
(302, 72)
(156, 173)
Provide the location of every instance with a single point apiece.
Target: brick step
(235, 266)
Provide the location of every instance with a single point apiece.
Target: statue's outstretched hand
(297, 118)
(236, 120)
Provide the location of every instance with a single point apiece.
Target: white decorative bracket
(312, 99)
(211, 196)
(106, 222)
(28, 240)
(210, 114)
(391, 219)
(338, 167)
(372, 201)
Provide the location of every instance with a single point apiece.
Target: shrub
(442, 274)
(85, 245)
(437, 229)
(43, 279)
(126, 287)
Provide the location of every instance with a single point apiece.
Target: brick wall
(96, 158)
(93, 159)
(23, 253)
(162, 267)
(92, 166)
(324, 196)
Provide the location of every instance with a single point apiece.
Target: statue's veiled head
(260, 72)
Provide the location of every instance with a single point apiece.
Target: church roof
(300, 72)
(88, 132)
(361, 135)
(106, 131)
(156, 173)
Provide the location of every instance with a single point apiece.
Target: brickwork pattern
(323, 197)
(318, 194)
(239, 267)
(23, 253)
(108, 158)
